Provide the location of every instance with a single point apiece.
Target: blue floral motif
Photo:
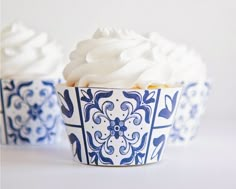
(97, 154)
(17, 93)
(28, 111)
(35, 111)
(73, 139)
(100, 144)
(93, 103)
(159, 144)
(17, 133)
(135, 151)
(68, 108)
(170, 104)
(141, 104)
(117, 127)
(10, 87)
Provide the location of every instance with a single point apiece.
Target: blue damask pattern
(115, 126)
(31, 111)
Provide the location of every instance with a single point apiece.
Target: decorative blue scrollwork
(135, 151)
(23, 97)
(93, 103)
(141, 103)
(97, 150)
(132, 145)
(27, 104)
(17, 134)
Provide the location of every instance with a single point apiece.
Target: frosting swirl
(27, 54)
(124, 59)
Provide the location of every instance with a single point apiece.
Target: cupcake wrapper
(117, 127)
(29, 112)
(191, 107)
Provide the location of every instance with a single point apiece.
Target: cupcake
(187, 68)
(31, 65)
(117, 111)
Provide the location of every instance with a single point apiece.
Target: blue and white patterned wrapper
(29, 112)
(191, 107)
(118, 127)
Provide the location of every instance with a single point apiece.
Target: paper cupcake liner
(29, 112)
(191, 108)
(117, 127)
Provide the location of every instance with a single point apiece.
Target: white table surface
(208, 162)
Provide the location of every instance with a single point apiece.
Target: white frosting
(27, 54)
(124, 59)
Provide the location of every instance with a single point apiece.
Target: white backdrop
(209, 26)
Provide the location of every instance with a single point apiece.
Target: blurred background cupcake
(187, 68)
(31, 65)
(117, 104)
